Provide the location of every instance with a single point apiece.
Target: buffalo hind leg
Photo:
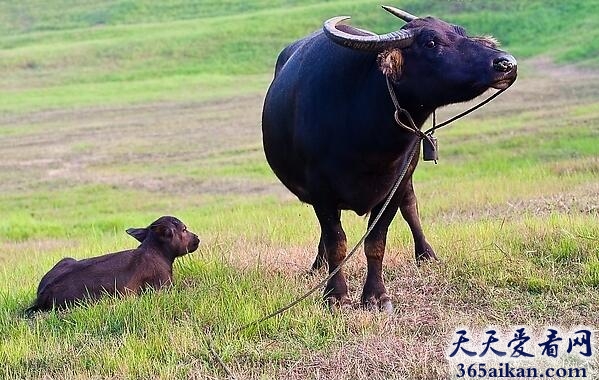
(374, 295)
(409, 211)
(320, 259)
(335, 248)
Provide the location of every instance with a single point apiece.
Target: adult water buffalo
(329, 131)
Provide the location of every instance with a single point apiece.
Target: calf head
(170, 234)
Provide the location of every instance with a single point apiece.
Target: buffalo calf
(148, 266)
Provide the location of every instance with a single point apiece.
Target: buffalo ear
(138, 233)
(391, 63)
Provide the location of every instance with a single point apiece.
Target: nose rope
(428, 134)
(412, 126)
(470, 110)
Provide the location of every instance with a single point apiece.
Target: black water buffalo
(329, 131)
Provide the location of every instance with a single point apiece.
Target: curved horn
(359, 39)
(399, 13)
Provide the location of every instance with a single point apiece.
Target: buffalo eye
(430, 44)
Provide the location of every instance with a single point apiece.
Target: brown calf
(148, 266)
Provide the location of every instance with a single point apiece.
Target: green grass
(117, 53)
(107, 92)
(113, 114)
(153, 334)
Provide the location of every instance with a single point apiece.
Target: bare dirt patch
(373, 357)
(89, 145)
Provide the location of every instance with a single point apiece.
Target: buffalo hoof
(427, 253)
(382, 304)
(317, 266)
(336, 304)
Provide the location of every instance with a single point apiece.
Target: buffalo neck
(375, 122)
(410, 101)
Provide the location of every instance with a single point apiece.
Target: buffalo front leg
(409, 211)
(374, 295)
(334, 246)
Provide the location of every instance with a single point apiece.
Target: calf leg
(335, 246)
(409, 211)
(374, 295)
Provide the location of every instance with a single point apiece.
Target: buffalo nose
(504, 63)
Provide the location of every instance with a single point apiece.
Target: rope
(415, 146)
(412, 127)
(209, 344)
(413, 149)
(472, 109)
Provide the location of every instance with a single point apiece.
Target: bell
(430, 150)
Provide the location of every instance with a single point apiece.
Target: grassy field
(113, 114)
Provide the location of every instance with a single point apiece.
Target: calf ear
(162, 231)
(391, 63)
(138, 233)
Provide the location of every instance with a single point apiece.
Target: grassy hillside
(60, 55)
(114, 113)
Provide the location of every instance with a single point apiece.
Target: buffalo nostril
(504, 64)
